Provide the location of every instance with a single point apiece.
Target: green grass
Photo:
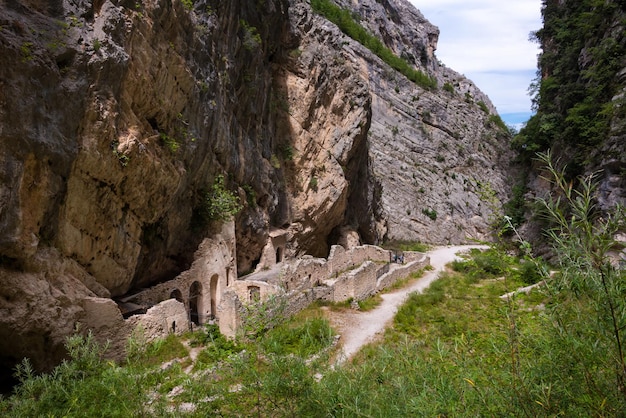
(160, 351)
(458, 349)
(370, 303)
(397, 245)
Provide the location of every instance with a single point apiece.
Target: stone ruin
(210, 292)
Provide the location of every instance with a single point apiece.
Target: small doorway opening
(254, 293)
(195, 303)
(213, 292)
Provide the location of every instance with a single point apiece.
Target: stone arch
(195, 303)
(178, 295)
(213, 293)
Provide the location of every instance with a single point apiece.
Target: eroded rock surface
(117, 116)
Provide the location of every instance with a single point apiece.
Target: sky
(487, 41)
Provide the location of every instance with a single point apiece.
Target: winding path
(360, 328)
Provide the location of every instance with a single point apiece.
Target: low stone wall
(419, 262)
(104, 319)
(354, 274)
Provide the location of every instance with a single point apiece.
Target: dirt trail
(360, 328)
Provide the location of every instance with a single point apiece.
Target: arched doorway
(213, 291)
(177, 294)
(279, 254)
(195, 303)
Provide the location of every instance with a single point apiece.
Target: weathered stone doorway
(213, 293)
(195, 303)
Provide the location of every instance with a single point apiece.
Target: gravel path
(360, 328)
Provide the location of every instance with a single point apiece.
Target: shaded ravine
(360, 328)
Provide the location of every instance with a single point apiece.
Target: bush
(431, 213)
(84, 385)
(448, 87)
(220, 204)
(348, 25)
(530, 272)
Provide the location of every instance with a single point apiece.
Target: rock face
(116, 117)
(580, 98)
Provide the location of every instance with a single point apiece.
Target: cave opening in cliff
(195, 302)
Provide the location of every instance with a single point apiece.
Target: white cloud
(487, 40)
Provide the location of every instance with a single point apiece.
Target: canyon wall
(119, 118)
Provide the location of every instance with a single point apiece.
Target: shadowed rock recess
(117, 117)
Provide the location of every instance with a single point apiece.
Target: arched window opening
(177, 294)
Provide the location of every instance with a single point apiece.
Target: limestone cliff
(117, 116)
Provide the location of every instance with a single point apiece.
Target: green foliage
(260, 317)
(496, 120)
(431, 213)
(96, 45)
(350, 26)
(188, 4)
(304, 339)
(159, 351)
(370, 303)
(250, 195)
(251, 37)
(447, 86)
(84, 385)
(26, 49)
(286, 152)
(483, 107)
(313, 183)
(577, 81)
(217, 348)
(531, 272)
(169, 142)
(515, 208)
(483, 264)
(398, 245)
(220, 204)
(592, 312)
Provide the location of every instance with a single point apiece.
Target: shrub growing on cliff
(348, 25)
(220, 204)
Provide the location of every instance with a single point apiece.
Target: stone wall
(207, 291)
(104, 320)
(403, 271)
(347, 274)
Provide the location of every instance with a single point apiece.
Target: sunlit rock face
(116, 117)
